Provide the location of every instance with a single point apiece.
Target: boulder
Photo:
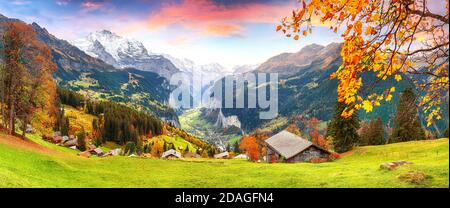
(29, 129)
(116, 151)
(393, 165)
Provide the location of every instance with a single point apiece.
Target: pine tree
(407, 126)
(81, 139)
(236, 147)
(376, 132)
(139, 146)
(65, 126)
(343, 130)
(364, 133)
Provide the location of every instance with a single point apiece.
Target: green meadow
(27, 164)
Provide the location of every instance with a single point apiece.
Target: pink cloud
(216, 19)
(91, 6)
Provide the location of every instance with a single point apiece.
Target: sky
(228, 32)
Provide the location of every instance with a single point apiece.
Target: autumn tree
(393, 39)
(293, 128)
(81, 139)
(343, 130)
(407, 126)
(26, 77)
(157, 149)
(260, 136)
(96, 134)
(250, 146)
(312, 125)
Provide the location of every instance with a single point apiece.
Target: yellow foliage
(384, 46)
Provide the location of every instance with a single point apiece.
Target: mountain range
(106, 66)
(305, 89)
(124, 53)
(99, 80)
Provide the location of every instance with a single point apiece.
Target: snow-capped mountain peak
(118, 47)
(124, 53)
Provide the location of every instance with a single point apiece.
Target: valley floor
(27, 164)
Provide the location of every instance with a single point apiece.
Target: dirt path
(20, 143)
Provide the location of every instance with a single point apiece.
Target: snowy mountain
(124, 53)
(207, 73)
(242, 69)
(189, 66)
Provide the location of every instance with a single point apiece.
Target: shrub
(414, 177)
(81, 139)
(130, 148)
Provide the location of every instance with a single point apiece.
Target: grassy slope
(21, 166)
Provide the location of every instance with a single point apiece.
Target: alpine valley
(106, 66)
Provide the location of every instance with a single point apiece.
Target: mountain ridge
(124, 53)
(80, 72)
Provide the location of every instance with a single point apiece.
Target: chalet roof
(222, 155)
(191, 155)
(171, 152)
(73, 142)
(288, 144)
(98, 151)
(241, 156)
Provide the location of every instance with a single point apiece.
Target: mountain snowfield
(124, 52)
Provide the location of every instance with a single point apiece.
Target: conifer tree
(343, 130)
(81, 139)
(236, 147)
(407, 126)
(376, 132)
(65, 126)
(364, 139)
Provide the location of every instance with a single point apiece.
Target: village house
(241, 156)
(191, 155)
(171, 154)
(222, 155)
(97, 151)
(291, 148)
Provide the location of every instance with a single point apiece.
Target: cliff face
(226, 122)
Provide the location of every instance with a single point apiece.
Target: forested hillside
(80, 72)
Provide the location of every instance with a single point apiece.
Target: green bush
(81, 139)
(130, 148)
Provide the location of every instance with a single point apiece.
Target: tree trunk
(24, 126)
(12, 120)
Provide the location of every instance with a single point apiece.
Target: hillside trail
(26, 144)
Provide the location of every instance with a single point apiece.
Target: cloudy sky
(228, 32)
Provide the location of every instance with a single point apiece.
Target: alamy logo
(251, 90)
